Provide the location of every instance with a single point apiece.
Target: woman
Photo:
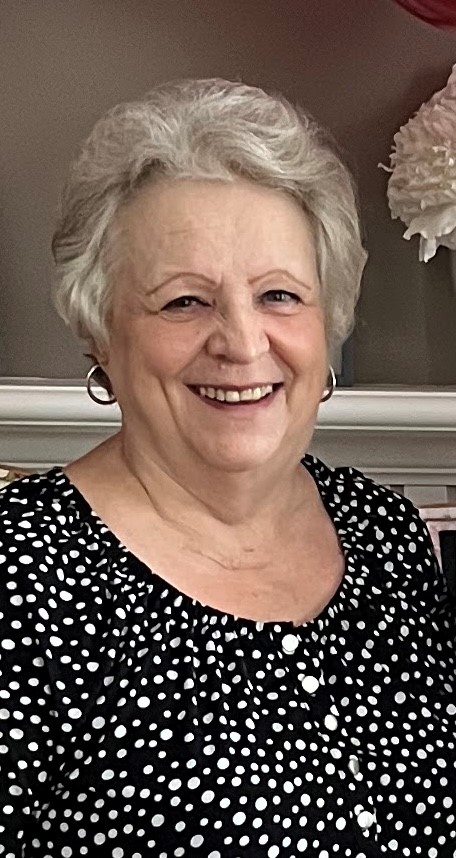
(211, 643)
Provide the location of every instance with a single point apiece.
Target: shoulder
(50, 542)
(379, 501)
(380, 505)
(40, 516)
(380, 520)
(349, 486)
(390, 545)
(31, 496)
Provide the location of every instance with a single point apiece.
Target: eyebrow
(209, 282)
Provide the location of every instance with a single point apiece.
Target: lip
(252, 385)
(238, 408)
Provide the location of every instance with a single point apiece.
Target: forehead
(213, 222)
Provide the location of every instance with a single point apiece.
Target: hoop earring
(90, 377)
(330, 385)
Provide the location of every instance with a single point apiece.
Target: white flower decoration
(422, 185)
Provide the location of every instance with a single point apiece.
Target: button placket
(309, 681)
(338, 743)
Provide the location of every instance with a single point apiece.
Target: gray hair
(213, 130)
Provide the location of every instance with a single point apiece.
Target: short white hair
(212, 130)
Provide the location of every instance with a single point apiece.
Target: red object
(440, 13)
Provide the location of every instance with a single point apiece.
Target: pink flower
(422, 185)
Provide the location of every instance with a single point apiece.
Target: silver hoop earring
(330, 385)
(90, 378)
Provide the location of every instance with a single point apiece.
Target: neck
(253, 506)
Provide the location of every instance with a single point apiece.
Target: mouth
(235, 395)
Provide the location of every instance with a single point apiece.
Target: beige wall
(361, 66)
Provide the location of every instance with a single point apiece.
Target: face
(217, 344)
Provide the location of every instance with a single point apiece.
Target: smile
(235, 395)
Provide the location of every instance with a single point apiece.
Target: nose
(239, 336)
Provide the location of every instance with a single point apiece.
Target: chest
(213, 721)
(294, 582)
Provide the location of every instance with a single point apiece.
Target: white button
(353, 765)
(310, 684)
(331, 722)
(365, 819)
(290, 643)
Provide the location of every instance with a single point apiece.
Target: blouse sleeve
(432, 581)
(420, 589)
(27, 719)
(397, 543)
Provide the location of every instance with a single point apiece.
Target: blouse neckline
(323, 477)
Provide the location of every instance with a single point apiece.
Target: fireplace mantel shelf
(386, 431)
(59, 403)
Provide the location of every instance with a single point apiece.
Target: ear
(97, 353)
(102, 358)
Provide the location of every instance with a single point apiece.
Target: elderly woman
(211, 643)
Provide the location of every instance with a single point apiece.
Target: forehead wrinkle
(161, 243)
(215, 284)
(155, 273)
(145, 265)
(281, 272)
(213, 249)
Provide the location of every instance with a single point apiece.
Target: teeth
(252, 394)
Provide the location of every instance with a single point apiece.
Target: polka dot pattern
(135, 721)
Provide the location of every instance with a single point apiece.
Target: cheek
(150, 348)
(172, 347)
(304, 342)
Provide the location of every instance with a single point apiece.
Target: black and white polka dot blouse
(138, 723)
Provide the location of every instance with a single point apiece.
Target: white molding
(398, 435)
(358, 408)
(395, 410)
(53, 405)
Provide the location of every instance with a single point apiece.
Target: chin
(233, 459)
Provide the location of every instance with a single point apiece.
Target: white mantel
(397, 435)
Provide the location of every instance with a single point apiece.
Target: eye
(281, 296)
(185, 302)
